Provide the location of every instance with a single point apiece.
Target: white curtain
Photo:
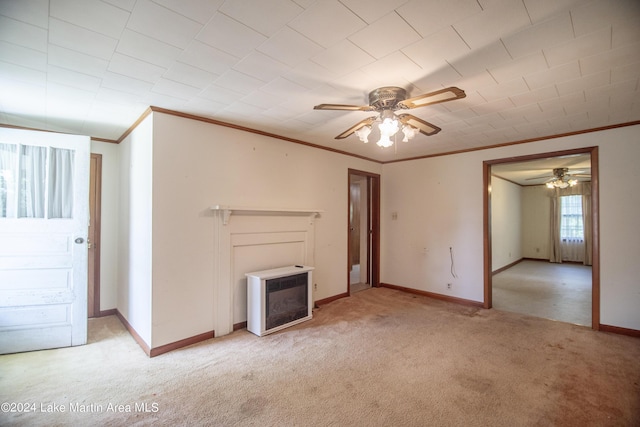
(572, 249)
(588, 224)
(60, 183)
(555, 248)
(32, 181)
(567, 248)
(27, 191)
(8, 178)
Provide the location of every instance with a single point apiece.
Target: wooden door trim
(96, 189)
(595, 226)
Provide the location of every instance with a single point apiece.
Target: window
(35, 182)
(571, 225)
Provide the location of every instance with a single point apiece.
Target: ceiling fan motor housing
(387, 98)
(560, 172)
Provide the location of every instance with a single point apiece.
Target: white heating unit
(278, 298)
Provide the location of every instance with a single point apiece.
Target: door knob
(79, 240)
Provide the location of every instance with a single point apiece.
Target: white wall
(619, 241)
(439, 205)
(506, 215)
(134, 229)
(109, 223)
(536, 211)
(438, 202)
(197, 165)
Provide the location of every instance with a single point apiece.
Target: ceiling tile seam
(163, 41)
(27, 23)
(39, 52)
(88, 28)
(177, 61)
(149, 37)
(257, 48)
(405, 21)
(461, 38)
(137, 59)
(118, 7)
(257, 78)
(177, 13)
(221, 12)
(373, 59)
(524, 4)
(346, 7)
(75, 70)
(128, 77)
(573, 27)
(166, 70)
(78, 26)
(30, 25)
(126, 27)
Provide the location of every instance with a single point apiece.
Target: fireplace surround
(254, 239)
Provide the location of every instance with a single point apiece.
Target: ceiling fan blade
(540, 177)
(352, 129)
(424, 127)
(343, 107)
(443, 95)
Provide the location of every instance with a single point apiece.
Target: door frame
(595, 211)
(373, 201)
(95, 204)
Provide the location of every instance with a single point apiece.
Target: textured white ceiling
(530, 68)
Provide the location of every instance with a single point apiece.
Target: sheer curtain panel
(36, 182)
(8, 179)
(61, 183)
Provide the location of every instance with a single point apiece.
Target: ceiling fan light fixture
(409, 132)
(385, 101)
(561, 183)
(363, 133)
(388, 128)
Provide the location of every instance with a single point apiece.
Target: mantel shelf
(228, 210)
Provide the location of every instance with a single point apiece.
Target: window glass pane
(571, 226)
(32, 181)
(61, 183)
(8, 180)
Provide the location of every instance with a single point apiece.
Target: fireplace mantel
(250, 239)
(227, 211)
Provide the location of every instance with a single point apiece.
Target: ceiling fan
(386, 101)
(562, 178)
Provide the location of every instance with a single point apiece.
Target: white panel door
(44, 192)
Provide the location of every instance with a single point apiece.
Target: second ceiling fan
(386, 101)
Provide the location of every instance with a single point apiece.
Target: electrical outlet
(315, 286)
(448, 285)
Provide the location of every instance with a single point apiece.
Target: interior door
(44, 183)
(354, 224)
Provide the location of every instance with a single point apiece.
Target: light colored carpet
(378, 358)
(543, 289)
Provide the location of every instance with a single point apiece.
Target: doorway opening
(495, 266)
(364, 231)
